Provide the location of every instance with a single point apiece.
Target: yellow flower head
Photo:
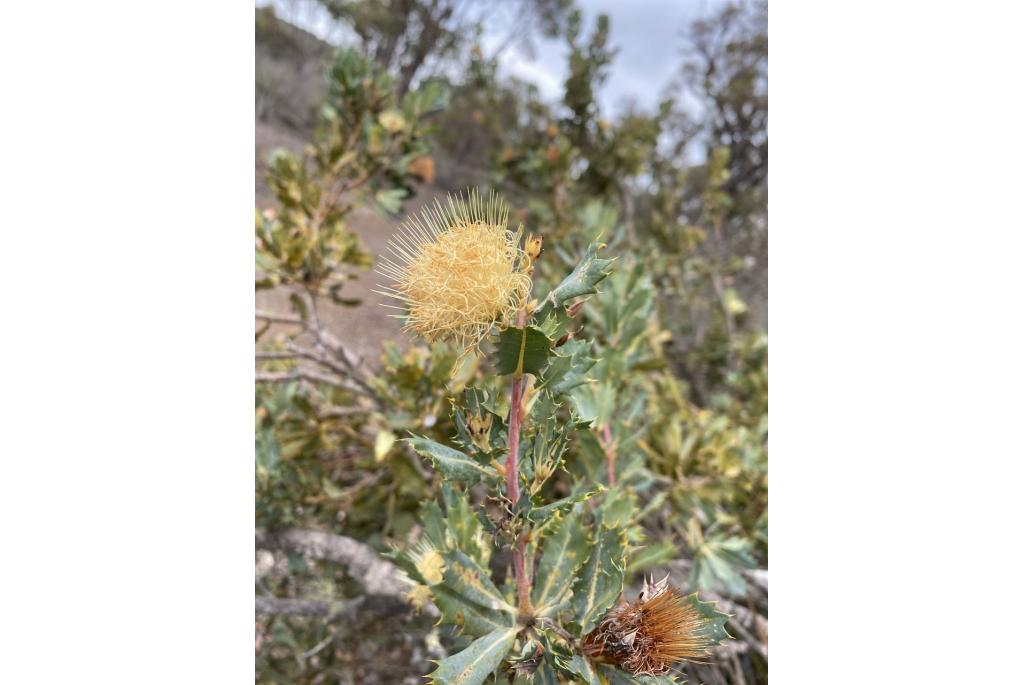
(418, 595)
(429, 562)
(458, 270)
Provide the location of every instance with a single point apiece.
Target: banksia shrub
(460, 274)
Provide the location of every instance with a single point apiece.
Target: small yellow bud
(418, 595)
(428, 561)
(534, 246)
(480, 430)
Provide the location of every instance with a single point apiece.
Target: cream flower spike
(457, 270)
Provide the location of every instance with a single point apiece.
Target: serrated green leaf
(540, 515)
(600, 582)
(718, 561)
(434, 526)
(453, 464)
(584, 278)
(654, 554)
(468, 579)
(522, 350)
(478, 403)
(568, 367)
(618, 507)
(472, 665)
(554, 321)
(713, 628)
(470, 617)
(614, 676)
(549, 443)
(563, 553)
(465, 525)
(582, 667)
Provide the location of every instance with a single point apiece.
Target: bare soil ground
(362, 329)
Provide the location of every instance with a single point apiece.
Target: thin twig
(266, 356)
(278, 318)
(306, 375)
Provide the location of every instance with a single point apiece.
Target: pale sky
(648, 33)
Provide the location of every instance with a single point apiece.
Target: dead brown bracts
(660, 628)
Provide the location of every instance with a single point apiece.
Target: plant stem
(514, 421)
(512, 481)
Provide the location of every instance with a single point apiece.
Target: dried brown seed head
(650, 634)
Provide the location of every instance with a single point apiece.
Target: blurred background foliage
(411, 105)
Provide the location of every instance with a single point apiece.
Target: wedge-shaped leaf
(618, 507)
(584, 669)
(718, 561)
(600, 581)
(434, 524)
(564, 551)
(714, 627)
(479, 404)
(470, 617)
(555, 322)
(550, 441)
(466, 578)
(584, 278)
(548, 445)
(653, 554)
(568, 367)
(522, 350)
(540, 515)
(465, 525)
(453, 464)
(472, 665)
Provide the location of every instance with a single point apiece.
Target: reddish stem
(515, 418)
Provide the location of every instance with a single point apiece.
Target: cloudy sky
(648, 33)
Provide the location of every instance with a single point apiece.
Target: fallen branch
(376, 575)
(332, 612)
